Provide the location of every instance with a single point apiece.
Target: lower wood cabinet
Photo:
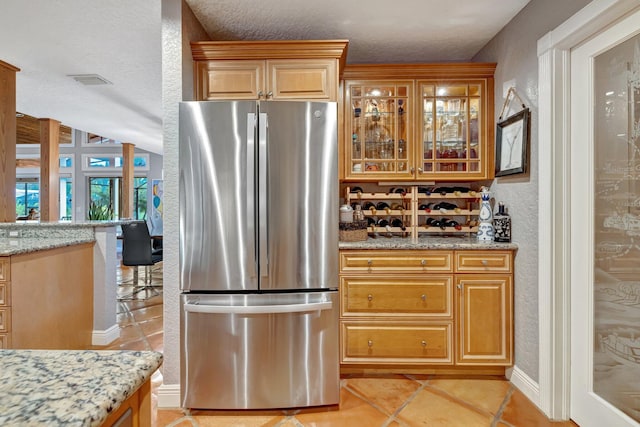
(45, 304)
(426, 308)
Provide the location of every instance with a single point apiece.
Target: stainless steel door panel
(217, 223)
(284, 355)
(302, 195)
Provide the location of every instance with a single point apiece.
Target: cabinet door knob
(484, 262)
(413, 169)
(270, 94)
(423, 262)
(423, 343)
(423, 297)
(370, 262)
(420, 170)
(370, 297)
(260, 94)
(370, 343)
(459, 286)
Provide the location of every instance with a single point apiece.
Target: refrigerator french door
(258, 254)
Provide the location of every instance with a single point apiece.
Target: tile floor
(371, 401)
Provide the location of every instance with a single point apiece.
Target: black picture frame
(512, 144)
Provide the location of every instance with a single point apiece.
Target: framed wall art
(512, 143)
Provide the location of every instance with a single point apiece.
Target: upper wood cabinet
(422, 122)
(268, 70)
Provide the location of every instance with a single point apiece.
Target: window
(27, 196)
(66, 199)
(105, 198)
(112, 162)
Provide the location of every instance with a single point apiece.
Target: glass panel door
(605, 227)
(616, 291)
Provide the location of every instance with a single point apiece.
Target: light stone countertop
(14, 246)
(444, 243)
(69, 387)
(31, 236)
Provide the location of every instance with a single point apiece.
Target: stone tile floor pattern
(365, 401)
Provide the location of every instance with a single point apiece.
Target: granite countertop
(69, 387)
(14, 246)
(427, 242)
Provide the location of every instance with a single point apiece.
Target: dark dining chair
(137, 250)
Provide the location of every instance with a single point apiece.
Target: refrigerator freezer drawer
(259, 351)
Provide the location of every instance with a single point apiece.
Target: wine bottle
(382, 222)
(432, 222)
(452, 223)
(397, 222)
(369, 206)
(445, 206)
(425, 207)
(383, 206)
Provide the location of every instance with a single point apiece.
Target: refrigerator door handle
(263, 195)
(258, 309)
(251, 185)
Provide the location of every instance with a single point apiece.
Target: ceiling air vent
(90, 79)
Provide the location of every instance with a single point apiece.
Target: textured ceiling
(121, 41)
(377, 30)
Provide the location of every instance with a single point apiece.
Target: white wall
(515, 51)
(177, 84)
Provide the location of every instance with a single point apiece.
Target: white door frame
(554, 62)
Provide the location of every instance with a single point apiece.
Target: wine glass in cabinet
(379, 123)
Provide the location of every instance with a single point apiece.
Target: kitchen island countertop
(15, 246)
(69, 387)
(443, 243)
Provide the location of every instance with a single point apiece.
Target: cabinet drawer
(5, 319)
(479, 262)
(428, 295)
(395, 261)
(4, 294)
(395, 342)
(5, 269)
(5, 341)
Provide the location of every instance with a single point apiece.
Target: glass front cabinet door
(380, 125)
(451, 125)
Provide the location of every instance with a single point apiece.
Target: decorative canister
(485, 228)
(346, 213)
(502, 225)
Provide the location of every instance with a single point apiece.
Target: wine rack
(418, 205)
(400, 205)
(464, 214)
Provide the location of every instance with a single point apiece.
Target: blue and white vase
(485, 228)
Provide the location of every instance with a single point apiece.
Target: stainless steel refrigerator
(258, 254)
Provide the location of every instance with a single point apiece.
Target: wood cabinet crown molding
(8, 66)
(276, 49)
(452, 70)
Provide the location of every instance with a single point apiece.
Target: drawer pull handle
(423, 297)
(423, 262)
(370, 343)
(424, 343)
(370, 262)
(370, 297)
(484, 262)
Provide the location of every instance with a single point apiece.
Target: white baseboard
(105, 337)
(526, 385)
(169, 396)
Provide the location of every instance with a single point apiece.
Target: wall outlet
(14, 233)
